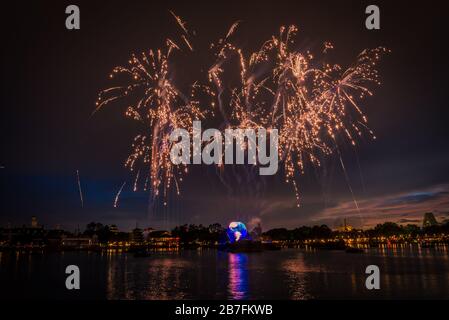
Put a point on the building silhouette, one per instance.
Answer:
(429, 220)
(34, 222)
(113, 229)
(136, 236)
(345, 227)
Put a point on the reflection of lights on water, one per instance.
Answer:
(296, 271)
(238, 276)
(158, 278)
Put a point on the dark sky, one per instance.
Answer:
(51, 77)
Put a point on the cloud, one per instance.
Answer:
(407, 207)
(414, 197)
(404, 221)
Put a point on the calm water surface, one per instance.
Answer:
(407, 272)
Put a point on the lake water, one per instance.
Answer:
(406, 273)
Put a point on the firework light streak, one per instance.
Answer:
(117, 196)
(136, 181)
(314, 105)
(79, 188)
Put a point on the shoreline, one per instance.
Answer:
(137, 249)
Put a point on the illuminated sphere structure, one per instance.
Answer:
(237, 231)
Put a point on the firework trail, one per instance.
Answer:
(181, 23)
(347, 180)
(313, 104)
(136, 181)
(117, 196)
(79, 188)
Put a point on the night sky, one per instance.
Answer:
(51, 77)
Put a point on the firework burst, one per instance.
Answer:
(311, 104)
(161, 108)
(314, 106)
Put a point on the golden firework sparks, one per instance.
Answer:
(314, 106)
(310, 105)
(161, 107)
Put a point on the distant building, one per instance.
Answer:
(163, 239)
(345, 227)
(34, 223)
(78, 242)
(77, 231)
(136, 236)
(113, 229)
(146, 233)
(429, 220)
(26, 235)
